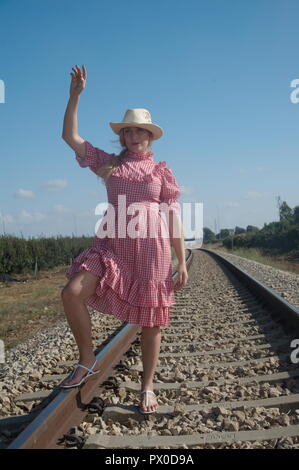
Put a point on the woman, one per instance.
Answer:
(127, 274)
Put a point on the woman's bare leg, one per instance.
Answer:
(81, 286)
(150, 346)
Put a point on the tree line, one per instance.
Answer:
(276, 237)
(18, 255)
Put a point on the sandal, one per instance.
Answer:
(146, 402)
(89, 374)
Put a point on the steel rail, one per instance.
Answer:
(281, 309)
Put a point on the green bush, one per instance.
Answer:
(274, 238)
(18, 255)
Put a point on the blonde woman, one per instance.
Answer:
(127, 276)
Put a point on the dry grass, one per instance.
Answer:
(279, 262)
(26, 308)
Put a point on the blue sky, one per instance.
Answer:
(216, 76)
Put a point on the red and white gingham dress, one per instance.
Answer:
(135, 274)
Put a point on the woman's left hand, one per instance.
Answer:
(182, 276)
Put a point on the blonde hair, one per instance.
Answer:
(116, 160)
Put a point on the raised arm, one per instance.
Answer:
(70, 123)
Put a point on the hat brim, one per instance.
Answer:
(157, 131)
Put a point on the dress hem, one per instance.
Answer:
(109, 303)
(110, 271)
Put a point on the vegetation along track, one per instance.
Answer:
(225, 376)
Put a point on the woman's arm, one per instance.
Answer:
(175, 227)
(70, 122)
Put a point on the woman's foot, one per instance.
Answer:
(80, 372)
(148, 401)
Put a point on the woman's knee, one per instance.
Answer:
(70, 291)
(81, 286)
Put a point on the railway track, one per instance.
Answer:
(57, 411)
(285, 283)
(225, 376)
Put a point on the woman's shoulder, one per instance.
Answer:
(94, 157)
(163, 170)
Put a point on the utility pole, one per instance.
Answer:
(278, 199)
(3, 223)
(232, 233)
(218, 223)
(75, 224)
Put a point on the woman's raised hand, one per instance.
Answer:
(78, 81)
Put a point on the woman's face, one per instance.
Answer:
(136, 139)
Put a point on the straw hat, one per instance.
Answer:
(138, 117)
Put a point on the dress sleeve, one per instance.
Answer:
(170, 191)
(94, 157)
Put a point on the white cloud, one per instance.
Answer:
(87, 213)
(25, 214)
(253, 195)
(186, 189)
(31, 217)
(55, 185)
(231, 204)
(260, 169)
(60, 209)
(24, 193)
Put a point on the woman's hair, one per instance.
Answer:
(116, 160)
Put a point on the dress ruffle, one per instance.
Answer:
(119, 294)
